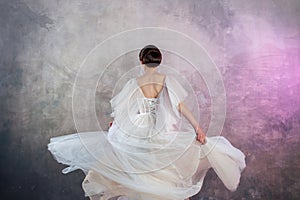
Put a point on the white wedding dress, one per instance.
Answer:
(149, 152)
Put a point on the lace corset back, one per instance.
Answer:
(148, 105)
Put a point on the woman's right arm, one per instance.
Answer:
(183, 109)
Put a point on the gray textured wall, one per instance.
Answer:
(255, 44)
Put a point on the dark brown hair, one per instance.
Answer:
(150, 56)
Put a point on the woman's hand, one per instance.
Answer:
(201, 137)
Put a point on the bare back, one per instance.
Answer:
(151, 85)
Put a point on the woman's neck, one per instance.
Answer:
(149, 70)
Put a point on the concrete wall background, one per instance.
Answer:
(255, 45)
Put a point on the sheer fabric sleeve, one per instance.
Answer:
(119, 99)
(176, 93)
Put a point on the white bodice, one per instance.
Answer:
(148, 105)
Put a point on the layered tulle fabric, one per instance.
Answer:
(149, 152)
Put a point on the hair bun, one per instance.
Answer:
(150, 56)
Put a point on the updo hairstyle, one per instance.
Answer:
(150, 56)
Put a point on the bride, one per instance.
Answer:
(149, 152)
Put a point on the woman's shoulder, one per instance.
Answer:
(156, 77)
(162, 77)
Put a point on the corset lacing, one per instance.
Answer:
(150, 106)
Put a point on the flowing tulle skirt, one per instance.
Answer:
(146, 175)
